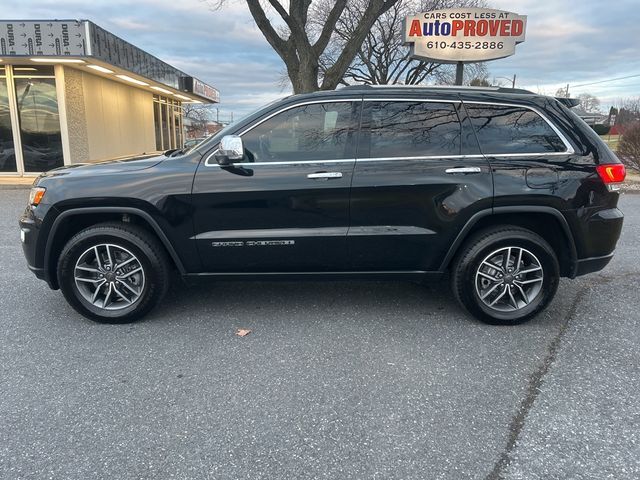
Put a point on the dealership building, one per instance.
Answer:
(71, 92)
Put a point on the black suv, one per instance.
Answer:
(503, 190)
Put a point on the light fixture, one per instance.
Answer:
(163, 90)
(57, 60)
(25, 69)
(132, 80)
(100, 69)
(183, 97)
(193, 101)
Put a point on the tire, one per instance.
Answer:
(126, 293)
(479, 276)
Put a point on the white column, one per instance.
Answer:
(15, 120)
(62, 113)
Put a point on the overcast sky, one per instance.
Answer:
(575, 42)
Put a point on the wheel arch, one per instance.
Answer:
(71, 221)
(535, 218)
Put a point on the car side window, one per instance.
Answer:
(317, 131)
(412, 129)
(505, 129)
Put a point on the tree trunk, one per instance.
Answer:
(301, 58)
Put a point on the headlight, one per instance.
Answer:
(36, 195)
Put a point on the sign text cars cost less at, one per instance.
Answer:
(464, 34)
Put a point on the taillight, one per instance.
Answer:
(612, 175)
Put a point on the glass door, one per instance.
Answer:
(39, 121)
(7, 148)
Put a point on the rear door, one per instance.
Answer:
(285, 208)
(419, 177)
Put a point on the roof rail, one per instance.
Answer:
(569, 102)
(441, 87)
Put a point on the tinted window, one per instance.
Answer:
(413, 129)
(503, 129)
(319, 131)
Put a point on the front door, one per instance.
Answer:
(285, 207)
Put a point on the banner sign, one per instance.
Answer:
(56, 38)
(464, 34)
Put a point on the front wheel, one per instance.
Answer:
(113, 273)
(505, 275)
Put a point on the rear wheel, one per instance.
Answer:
(505, 275)
(113, 273)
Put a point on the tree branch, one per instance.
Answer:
(329, 26)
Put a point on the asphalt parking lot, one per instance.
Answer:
(363, 380)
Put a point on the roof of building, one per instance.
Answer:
(88, 42)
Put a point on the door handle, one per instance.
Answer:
(463, 170)
(326, 175)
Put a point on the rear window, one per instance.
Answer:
(413, 129)
(504, 129)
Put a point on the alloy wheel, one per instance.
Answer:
(109, 277)
(509, 279)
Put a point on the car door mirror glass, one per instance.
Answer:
(231, 150)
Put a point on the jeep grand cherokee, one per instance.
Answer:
(501, 191)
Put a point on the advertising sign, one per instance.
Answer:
(194, 85)
(464, 34)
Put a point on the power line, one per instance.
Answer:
(622, 86)
(605, 81)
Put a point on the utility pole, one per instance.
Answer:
(459, 73)
(513, 84)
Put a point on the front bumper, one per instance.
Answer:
(33, 244)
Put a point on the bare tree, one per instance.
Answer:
(480, 82)
(589, 103)
(629, 147)
(199, 116)
(383, 58)
(301, 51)
(627, 111)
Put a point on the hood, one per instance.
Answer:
(106, 168)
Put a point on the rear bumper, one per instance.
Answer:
(593, 264)
(596, 235)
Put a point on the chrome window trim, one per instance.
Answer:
(294, 162)
(388, 159)
(569, 148)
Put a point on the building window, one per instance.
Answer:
(7, 149)
(156, 122)
(167, 116)
(177, 121)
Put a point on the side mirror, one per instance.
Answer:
(231, 150)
